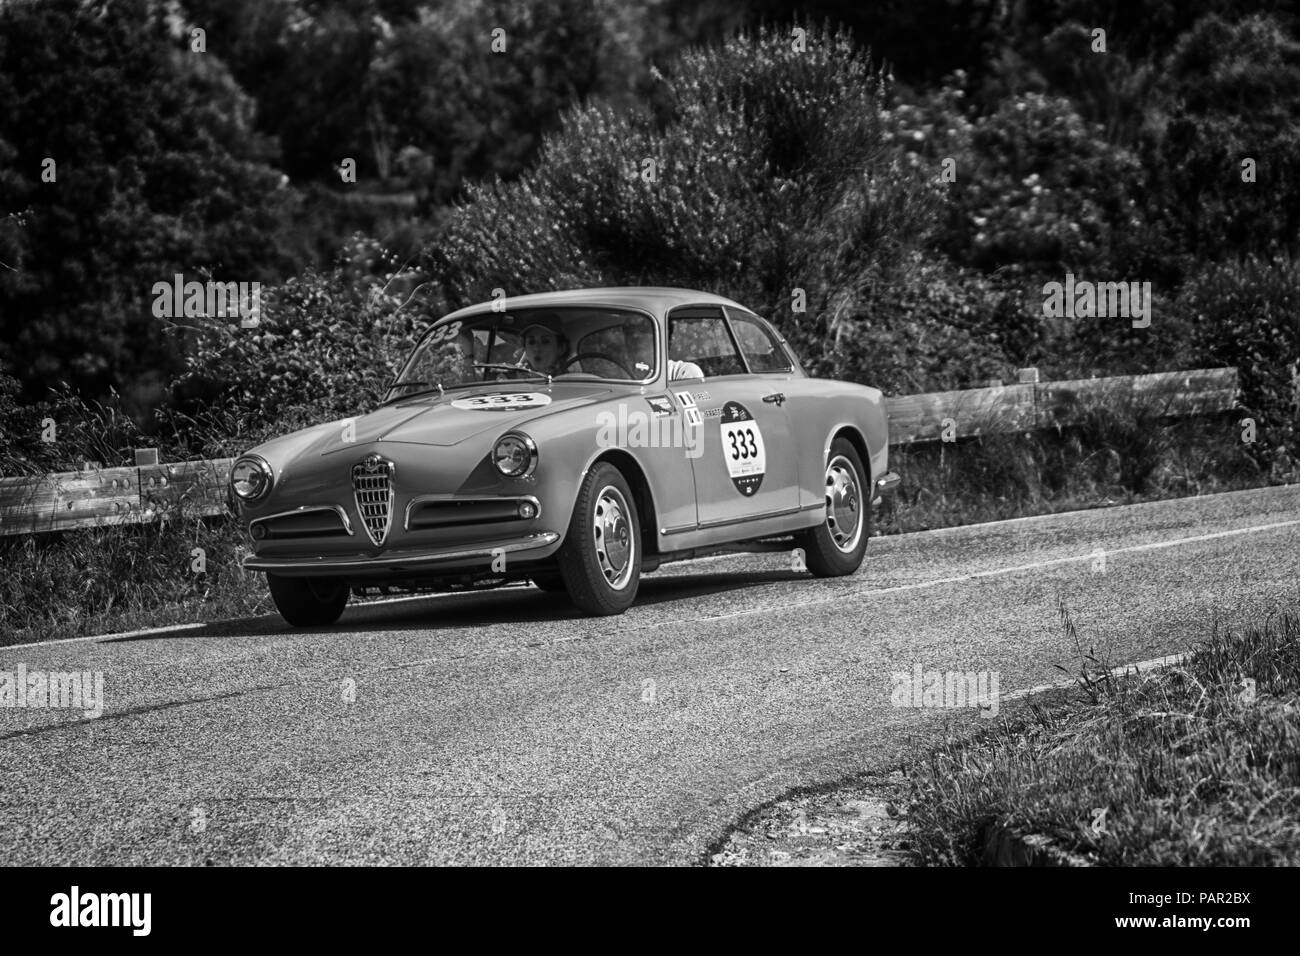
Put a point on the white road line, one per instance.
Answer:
(1092, 511)
(1034, 566)
(1141, 667)
(101, 637)
(1253, 529)
(189, 627)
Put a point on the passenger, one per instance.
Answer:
(639, 341)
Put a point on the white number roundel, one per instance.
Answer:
(504, 402)
(742, 448)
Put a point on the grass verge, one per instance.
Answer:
(104, 580)
(1118, 456)
(1196, 764)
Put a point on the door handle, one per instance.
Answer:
(776, 398)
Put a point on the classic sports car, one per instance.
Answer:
(574, 439)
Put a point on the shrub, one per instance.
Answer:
(769, 174)
(1247, 313)
(1041, 190)
(931, 328)
(1228, 93)
(324, 346)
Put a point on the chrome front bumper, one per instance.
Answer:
(399, 562)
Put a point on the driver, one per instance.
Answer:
(545, 346)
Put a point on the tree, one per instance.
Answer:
(128, 158)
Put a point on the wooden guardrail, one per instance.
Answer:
(1030, 404)
(111, 496)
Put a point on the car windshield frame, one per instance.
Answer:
(534, 376)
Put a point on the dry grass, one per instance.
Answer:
(1191, 765)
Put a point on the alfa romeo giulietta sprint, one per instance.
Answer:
(575, 440)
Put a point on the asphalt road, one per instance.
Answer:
(499, 727)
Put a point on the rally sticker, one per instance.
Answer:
(660, 404)
(742, 448)
(690, 411)
(504, 402)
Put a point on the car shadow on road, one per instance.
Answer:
(523, 604)
(530, 605)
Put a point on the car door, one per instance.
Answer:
(744, 467)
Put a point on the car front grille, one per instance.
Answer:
(372, 486)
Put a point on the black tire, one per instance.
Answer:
(602, 568)
(549, 581)
(836, 546)
(308, 602)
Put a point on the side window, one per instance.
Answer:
(703, 340)
(762, 351)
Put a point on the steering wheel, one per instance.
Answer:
(597, 355)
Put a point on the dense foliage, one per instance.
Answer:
(893, 193)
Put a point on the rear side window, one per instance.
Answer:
(761, 349)
(704, 340)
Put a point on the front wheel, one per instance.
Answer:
(600, 561)
(308, 602)
(836, 546)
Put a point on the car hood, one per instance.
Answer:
(441, 421)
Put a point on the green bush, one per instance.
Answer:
(930, 327)
(770, 174)
(1247, 314)
(325, 345)
(79, 431)
(1040, 190)
(1228, 93)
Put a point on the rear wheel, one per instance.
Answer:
(308, 602)
(836, 546)
(600, 561)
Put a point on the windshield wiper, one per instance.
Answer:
(512, 368)
(430, 386)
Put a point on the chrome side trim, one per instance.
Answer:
(397, 561)
(422, 499)
(307, 509)
(724, 522)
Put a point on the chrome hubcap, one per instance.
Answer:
(843, 504)
(614, 537)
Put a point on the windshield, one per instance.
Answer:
(569, 343)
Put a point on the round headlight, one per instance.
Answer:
(250, 478)
(515, 456)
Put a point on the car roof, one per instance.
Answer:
(655, 299)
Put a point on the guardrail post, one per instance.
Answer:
(1029, 376)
